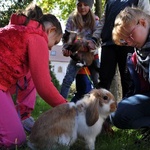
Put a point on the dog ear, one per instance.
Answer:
(65, 37)
(92, 113)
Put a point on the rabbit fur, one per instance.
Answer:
(81, 53)
(63, 124)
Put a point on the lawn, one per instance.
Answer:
(121, 140)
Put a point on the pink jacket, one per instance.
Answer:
(23, 48)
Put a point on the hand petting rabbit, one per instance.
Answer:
(64, 123)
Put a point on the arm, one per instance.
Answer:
(97, 30)
(65, 38)
(96, 36)
(38, 55)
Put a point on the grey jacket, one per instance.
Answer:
(87, 32)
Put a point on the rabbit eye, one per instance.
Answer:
(105, 98)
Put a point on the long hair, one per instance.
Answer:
(87, 21)
(32, 12)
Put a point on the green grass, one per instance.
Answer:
(121, 140)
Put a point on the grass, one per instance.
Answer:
(121, 140)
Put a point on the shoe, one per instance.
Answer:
(28, 124)
(145, 139)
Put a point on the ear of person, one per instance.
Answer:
(51, 30)
(142, 22)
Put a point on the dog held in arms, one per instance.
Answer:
(81, 53)
(63, 124)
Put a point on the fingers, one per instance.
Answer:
(66, 52)
(91, 45)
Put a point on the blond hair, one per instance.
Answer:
(89, 20)
(125, 19)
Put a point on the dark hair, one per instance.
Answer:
(53, 20)
(32, 12)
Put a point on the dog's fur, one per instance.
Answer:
(81, 53)
(63, 124)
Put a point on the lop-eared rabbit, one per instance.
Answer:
(63, 124)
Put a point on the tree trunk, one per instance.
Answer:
(98, 7)
(116, 87)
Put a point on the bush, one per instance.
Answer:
(54, 79)
(8, 8)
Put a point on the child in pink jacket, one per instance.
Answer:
(24, 47)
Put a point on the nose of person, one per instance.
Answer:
(82, 6)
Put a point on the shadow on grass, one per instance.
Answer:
(121, 140)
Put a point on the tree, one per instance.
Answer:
(62, 9)
(59, 8)
(53, 76)
(6, 9)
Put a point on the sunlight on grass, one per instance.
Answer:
(40, 107)
(121, 140)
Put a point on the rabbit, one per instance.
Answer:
(81, 53)
(63, 124)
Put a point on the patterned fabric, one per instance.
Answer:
(143, 60)
(140, 84)
(14, 49)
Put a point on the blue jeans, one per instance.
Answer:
(71, 73)
(132, 112)
(83, 86)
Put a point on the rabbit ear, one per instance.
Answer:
(92, 113)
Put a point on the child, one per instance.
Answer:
(127, 28)
(132, 28)
(83, 76)
(84, 21)
(24, 90)
(24, 47)
(24, 94)
(112, 54)
(127, 31)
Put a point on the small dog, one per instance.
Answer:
(63, 124)
(79, 48)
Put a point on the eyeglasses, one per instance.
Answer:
(130, 38)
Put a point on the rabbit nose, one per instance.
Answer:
(113, 107)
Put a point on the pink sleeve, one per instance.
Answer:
(38, 54)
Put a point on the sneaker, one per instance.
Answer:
(28, 124)
(145, 139)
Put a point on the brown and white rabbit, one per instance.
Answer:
(64, 123)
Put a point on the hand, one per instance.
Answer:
(66, 52)
(91, 45)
